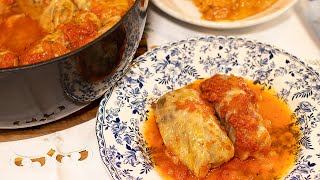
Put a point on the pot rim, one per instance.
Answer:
(64, 56)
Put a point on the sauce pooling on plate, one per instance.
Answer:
(217, 10)
(272, 165)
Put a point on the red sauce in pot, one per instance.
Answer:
(79, 35)
(19, 31)
(26, 25)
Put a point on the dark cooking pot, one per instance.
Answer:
(47, 91)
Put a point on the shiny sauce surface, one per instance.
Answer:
(218, 10)
(275, 164)
(18, 31)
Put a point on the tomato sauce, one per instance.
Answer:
(246, 120)
(79, 35)
(19, 31)
(31, 31)
(217, 10)
(274, 164)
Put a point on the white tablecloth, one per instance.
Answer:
(32, 158)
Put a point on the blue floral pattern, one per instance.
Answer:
(122, 112)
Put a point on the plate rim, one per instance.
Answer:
(242, 23)
(108, 94)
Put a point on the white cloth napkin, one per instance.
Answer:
(67, 143)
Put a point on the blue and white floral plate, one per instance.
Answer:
(122, 112)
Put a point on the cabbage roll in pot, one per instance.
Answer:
(236, 106)
(49, 13)
(191, 132)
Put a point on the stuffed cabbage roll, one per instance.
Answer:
(49, 13)
(237, 109)
(191, 131)
(52, 45)
(74, 34)
(108, 11)
(57, 12)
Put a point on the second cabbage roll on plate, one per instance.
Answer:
(191, 132)
(236, 106)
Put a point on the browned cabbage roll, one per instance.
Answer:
(236, 106)
(191, 131)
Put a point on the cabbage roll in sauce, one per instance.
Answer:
(108, 11)
(33, 31)
(69, 36)
(236, 107)
(49, 13)
(191, 131)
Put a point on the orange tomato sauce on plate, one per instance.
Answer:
(217, 10)
(274, 165)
